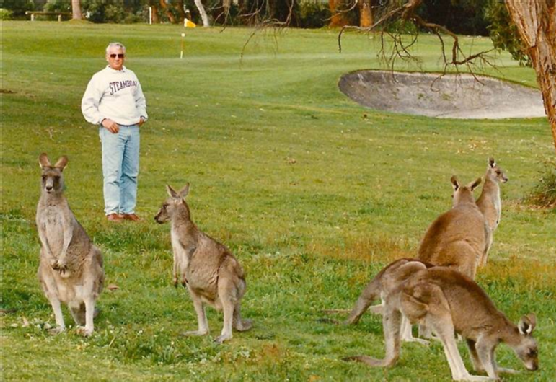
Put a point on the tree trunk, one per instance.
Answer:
(365, 13)
(181, 9)
(337, 19)
(153, 5)
(76, 10)
(168, 11)
(201, 9)
(536, 23)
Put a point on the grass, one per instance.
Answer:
(313, 193)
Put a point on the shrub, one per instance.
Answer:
(313, 15)
(17, 8)
(544, 194)
(5, 14)
(115, 11)
(504, 34)
(57, 6)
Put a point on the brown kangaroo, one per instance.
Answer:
(449, 302)
(456, 239)
(490, 202)
(70, 268)
(209, 270)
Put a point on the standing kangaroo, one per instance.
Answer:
(449, 302)
(210, 271)
(70, 268)
(490, 202)
(456, 239)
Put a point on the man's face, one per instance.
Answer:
(115, 58)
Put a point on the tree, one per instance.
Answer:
(536, 23)
(203, 13)
(365, 13)
(76, 10)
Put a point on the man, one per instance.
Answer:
(114, 100)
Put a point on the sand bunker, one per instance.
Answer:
(449, 96)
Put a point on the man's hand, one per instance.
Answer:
(141, 121)
(110, 125)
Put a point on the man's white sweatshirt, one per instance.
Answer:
(114, 94)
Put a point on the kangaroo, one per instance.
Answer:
(209, 270)
(381, 284)
(449, 301)
(70, 268)
(456, 239)
(490, 202)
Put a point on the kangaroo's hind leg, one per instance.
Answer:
(89, 327)
(240, 324)
(229, 298)
(368, 295)
(202, 323)
(391, 321)
(51, 292)
(57, 308)
(440, 319)
(77, 310)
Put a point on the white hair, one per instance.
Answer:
(115, 45)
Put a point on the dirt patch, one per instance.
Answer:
(449, 96)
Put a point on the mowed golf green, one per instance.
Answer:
(312, 193)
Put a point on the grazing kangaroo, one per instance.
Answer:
(70, 268)
(449, 301)
(490, 202)
(210, 271)
(381, 285)
(456, 239)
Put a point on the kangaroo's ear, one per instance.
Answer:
(171, 191)
(43, 160)
(62, 162)
(527, 324)
(184, 191)
(476, 183)
(491, 162)
(455, 184)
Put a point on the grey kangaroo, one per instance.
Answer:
(456, 239)
(70, 268)
(449, 302)
(490, 202)
(208, 269)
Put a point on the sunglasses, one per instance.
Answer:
(119, 55)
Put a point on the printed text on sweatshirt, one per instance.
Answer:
(114, 94)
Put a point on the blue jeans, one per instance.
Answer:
(120, 167)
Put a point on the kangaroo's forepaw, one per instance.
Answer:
(65, 273)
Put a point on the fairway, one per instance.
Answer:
(313, 194)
